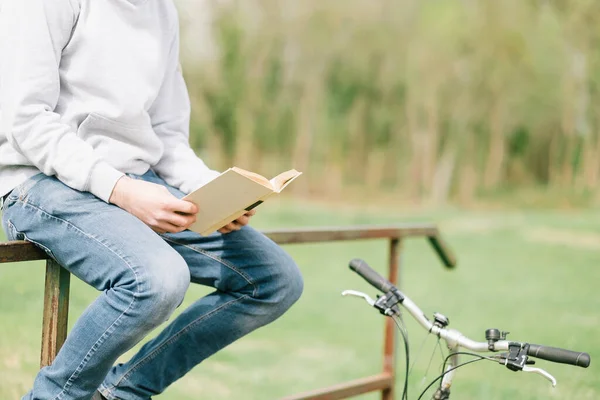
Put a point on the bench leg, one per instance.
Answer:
(390, 339)
(56, 311)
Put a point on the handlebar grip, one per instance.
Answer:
(559, 355)
(370, 275)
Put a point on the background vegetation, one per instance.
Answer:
(428, 100)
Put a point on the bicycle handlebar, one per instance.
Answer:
(553, 354)
(559, 355)
(370, 275)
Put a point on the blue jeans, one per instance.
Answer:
(142, 278)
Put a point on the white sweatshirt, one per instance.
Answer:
(92, 89)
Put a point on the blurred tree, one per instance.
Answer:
(432, 100)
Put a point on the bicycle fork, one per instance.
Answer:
(443, 391)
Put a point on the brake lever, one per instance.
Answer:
(541, 372)
(359, 294)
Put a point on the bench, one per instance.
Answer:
(56, 295)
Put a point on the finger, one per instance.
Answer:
(182, 206)
(224, 231)
(243, 220)
(232, 226)
(250, 213)
(180, 220)
(166, 227)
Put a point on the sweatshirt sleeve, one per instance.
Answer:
(33, 34)
(170, 114)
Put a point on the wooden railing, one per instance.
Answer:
(56, 295)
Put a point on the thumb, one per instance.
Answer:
(184, 206)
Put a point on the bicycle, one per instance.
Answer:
(516, 358)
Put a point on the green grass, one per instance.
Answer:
(534, 274)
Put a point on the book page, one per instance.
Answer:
(283, 179)
(254, 176)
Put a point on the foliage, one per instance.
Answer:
(428, 99)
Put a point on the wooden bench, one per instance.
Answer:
(56, 295)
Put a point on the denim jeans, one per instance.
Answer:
(142, 278)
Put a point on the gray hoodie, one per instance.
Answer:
(90, 90)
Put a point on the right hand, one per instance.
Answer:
(154, 205)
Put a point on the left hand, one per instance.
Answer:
(238, 223)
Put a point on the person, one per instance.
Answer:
(94, 161)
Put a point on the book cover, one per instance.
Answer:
(231, 194)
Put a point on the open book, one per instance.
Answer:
(232, 194)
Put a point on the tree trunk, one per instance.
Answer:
(468, 175)
(247, 155)
(414, 172)
(305, 133)
(497, 149)
(356, 142)
(374, 168)
(554, 160)
(590, 164)
(431, 143)
(394, 156)
(444, 174)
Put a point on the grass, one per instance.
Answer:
(532, 273)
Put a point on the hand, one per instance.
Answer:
(154, 205)
(238, 223)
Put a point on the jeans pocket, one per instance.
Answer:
(3, 200)
(21, 191)
(11, 232)
(14, 234)
(4, 219)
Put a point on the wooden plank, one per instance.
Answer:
(23, 251)
(20, 251)
(443, 251)
(307, 235)
(347, 389)
(56, 311)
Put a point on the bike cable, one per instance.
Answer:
(401, 327)
(479, 358)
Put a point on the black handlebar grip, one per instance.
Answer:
(370, 275)
(559, 355)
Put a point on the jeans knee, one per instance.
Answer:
(294, 282)
(286, 283)
(164, 288)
